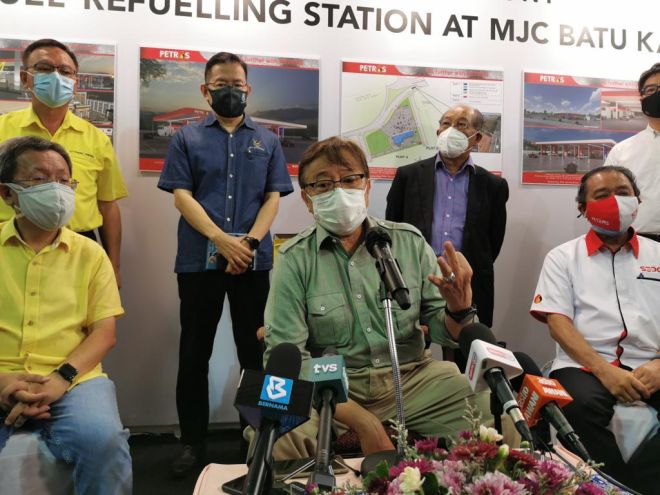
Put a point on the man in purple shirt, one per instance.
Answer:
(449, 198)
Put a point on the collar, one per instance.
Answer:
(653, 132)
(440, 164)
(323, 237)
(70, 121)
(8, 231)
(212, 119)
(595, 243)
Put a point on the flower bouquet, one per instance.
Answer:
(474, 465)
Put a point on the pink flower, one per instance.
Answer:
(495, 484)
(473, 451)
(450, 474)
(424, 466)
(590, 489)
(553, 475)
(466, 435)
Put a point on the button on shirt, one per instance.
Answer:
(449, 205)
(322, 297)
(49, 299)
(228, 174)
(641, 154)
(613, 299)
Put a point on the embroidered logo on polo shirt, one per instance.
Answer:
(257, 145)
(538, 299)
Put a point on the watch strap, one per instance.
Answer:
(463, 314)
(252, 242)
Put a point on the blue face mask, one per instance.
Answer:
(53, 90)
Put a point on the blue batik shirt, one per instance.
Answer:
(229, 175)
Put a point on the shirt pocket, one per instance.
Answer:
(327, 319)
(406, 321)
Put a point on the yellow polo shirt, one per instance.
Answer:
(48, 299)
(94, 161)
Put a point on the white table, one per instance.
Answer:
(214, 475)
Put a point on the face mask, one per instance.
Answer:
(340, 211)
(452, 142)
(228, 102)
(48, 206)
(53, 90)
(651, 105)
(612, 215)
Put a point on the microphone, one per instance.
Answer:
(331, 387)
(273, 402)
(541, 397)
(490, 366)
(378, 243)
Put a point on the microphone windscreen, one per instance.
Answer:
(529, 368)
(472, 332)
(376, 235)
(284, 361)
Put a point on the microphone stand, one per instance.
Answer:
(392, 457)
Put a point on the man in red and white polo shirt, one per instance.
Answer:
(600, 296)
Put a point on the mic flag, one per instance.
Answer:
(276, 394)
(483, 357)
(536, 392)
(329, 371)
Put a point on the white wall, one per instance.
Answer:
(144, 362)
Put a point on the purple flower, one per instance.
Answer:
(590, 489)
(495, 484)
(466, 435)
(426, 445)
(553, 475)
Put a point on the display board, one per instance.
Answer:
(94, 100)
(284, 99)
(571, 123)
(393, 111)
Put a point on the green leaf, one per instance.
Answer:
(430, 485)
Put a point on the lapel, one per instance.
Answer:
(427, 192)
(474, 194)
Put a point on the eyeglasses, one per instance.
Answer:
(461, 125)
(72, 183)
(353, 181)
(221, 84)
(46, 68)
(650, 89)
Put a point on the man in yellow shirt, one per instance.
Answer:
(49, 75)
(58, 304)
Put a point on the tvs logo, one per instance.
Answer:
(538, 299)
(276, 389)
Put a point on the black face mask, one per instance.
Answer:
(228, 102)
(651, 105)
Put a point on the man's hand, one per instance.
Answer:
(369, 429)
(457, 293)
(649, 375)
(15, 387)
(233, 269)
(52, 390)
(622, 384)
(235, 251)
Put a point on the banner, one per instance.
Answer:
(284, 99)
(393, 111)
(94, 99)
(571, 123)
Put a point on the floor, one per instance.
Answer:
(153, 454)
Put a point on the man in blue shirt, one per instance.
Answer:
(227, 176)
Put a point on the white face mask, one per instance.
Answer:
(452, 142)
(340, 211)
(49, 206)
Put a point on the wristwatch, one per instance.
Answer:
(463, 315)
(251, 241)
(68, 372)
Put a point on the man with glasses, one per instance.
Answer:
(59, 301)
(325, 293)
(641, 154)
(49, 75)
(227, 175)
(449, 197)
